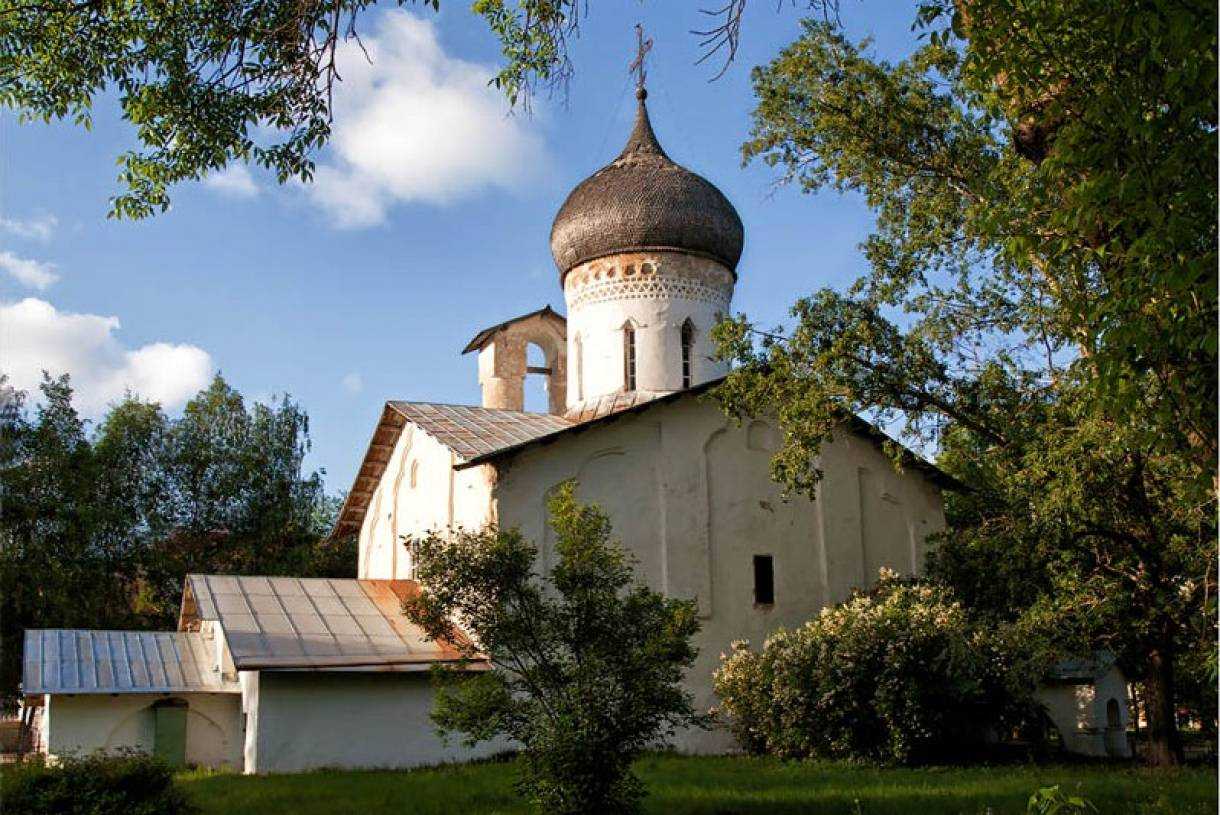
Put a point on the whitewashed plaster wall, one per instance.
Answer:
(222, 657)
(1079, 711)
(656, 292)
(84, 723)
(311, 719)
(689, 494)
(418, 492)
(504, 363)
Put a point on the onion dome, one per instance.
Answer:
(642, 201)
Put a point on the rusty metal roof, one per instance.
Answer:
(59, 660)
(292, 622)
(592, 409)
(467, 430)
(376, 459)
(643, 200)
(476, 431)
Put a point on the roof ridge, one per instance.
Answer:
(139, 631)
(393, 402)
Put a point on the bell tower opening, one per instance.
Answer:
(537, 379)
(530, 347)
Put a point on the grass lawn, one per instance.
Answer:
(721, 786)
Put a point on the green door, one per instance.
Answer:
(169, 731)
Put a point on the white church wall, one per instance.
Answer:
(656, 292)
(84, 723)
(312, 719)
(418, 492)
(689, 493)
(871, 515)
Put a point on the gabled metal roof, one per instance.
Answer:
(480, 435)
(592, 409)
(476, 431)
(59, 660)
(467, 430)
(292, 622)
(617, 406)
(483, 337)
(372, 466)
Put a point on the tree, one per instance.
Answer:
(59, 562)
(109, 523)
(1041, 304)
(237, 497)
(586, 664)
(213, 82)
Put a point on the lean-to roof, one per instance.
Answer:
(293, 622)
(59, 660)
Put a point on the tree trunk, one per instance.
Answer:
(1163, 739)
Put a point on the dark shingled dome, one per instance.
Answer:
(644, 200)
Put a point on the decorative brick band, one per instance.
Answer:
(651, 276)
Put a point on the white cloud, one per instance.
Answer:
(417, 125)
(234, 180)
(353, 383)
(33, 273)
(34, 336)
(40, 226)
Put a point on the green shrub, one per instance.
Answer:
(899, 674)
(1053, 801)
(586, 661)
(100, 784)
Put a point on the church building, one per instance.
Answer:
(270, 674)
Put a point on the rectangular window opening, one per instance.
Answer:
(764, 581)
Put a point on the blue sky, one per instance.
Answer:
(431, 222)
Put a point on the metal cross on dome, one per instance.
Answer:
(643, 46)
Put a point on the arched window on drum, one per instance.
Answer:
(688, 346)
(628, 356)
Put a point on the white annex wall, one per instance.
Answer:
(418, 492)
(689, 493)
(1092, 717)
(82, 724)
(311, 719)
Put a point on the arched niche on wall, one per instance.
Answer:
(622, 481)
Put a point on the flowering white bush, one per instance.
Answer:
(898, 674)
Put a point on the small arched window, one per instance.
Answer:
(688, 344)
(629, 357)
